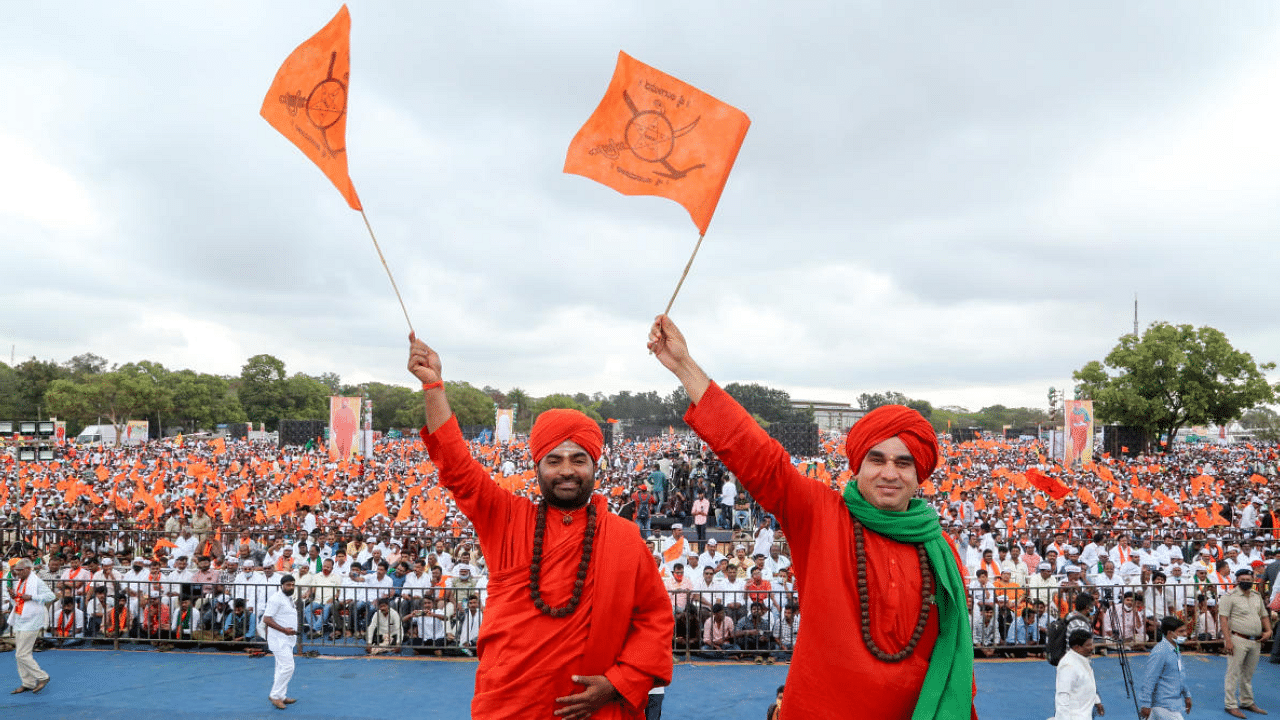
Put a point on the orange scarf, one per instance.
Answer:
(66, 624)
(19, 601)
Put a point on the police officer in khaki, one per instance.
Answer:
(1245, 626)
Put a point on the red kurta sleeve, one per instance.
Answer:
(645, 659)
(758, 460)
(478, 497)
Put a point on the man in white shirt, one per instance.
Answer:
(776, 561)
(674, 549)
(431, 624)
(386, 631)
(322, 587)
(281, 620)
(710, 557)
(764, 538)
(732, 593)
(355, 598)
(728, 495)
(135, 583)
(1076, 693)
(417, 586)
(29, 596)
(342, 563)
(467, 626)
(187, 543)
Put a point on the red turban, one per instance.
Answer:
(898, 421)
(555, 426)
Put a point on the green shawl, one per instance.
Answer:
(948, 684)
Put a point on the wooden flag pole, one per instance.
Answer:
(388, 269)
(683, 275)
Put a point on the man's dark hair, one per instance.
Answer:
(1083, 602)
(1169, 624)
(1079, 638)
(239, 603)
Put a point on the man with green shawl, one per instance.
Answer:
(886, 632)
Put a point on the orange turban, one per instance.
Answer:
(898, 421)
(555, 426)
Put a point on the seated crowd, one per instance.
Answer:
(142, 543)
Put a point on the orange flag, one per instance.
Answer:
(373, 505)
(655, 135)
(307, 101)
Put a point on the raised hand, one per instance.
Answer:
(424, 363)
(667, 343)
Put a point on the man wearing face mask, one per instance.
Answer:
(1245, 626)
(281, 619)
(1164, 692)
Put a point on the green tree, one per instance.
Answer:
(85, 364)
(767, 404)
(9, 396)
(549, 402)
(120, 395)
(261, 390)
(473, 407)
(523, 404)
(1263, 423)
(201, 401)
(394, 406)
(33, 379)
(305, 398)
(1174, 376)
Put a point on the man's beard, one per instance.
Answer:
(579, 500)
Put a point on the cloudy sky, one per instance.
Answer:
(956, 201)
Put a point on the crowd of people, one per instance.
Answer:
(180, 543)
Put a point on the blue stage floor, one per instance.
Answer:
(101, 684)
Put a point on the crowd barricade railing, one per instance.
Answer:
(1000, 628)
(698, 634)
(167, 614)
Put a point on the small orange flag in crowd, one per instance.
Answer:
(655, 135)
(307, 101)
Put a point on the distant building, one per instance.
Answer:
(831, 416)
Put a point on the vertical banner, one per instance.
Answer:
(60, 430)
(504, 420)
(344, 425)
(1079, 445)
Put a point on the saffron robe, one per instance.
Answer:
(832, 674)
(621, 629)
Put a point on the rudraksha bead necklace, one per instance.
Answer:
(535, 568)
(926, 598)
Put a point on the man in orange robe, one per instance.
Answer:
(576, 642)
(835, 672)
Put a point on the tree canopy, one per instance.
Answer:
(1174, 376)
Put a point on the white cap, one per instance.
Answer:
(711, 541)
(677, 526)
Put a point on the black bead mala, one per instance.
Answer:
(926, 598)
(535, 568)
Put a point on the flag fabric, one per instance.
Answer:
(307, 101)
(1052, 486)
(371, 506)
(655, 135)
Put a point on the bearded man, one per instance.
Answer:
(872, 558)
(578, 622)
